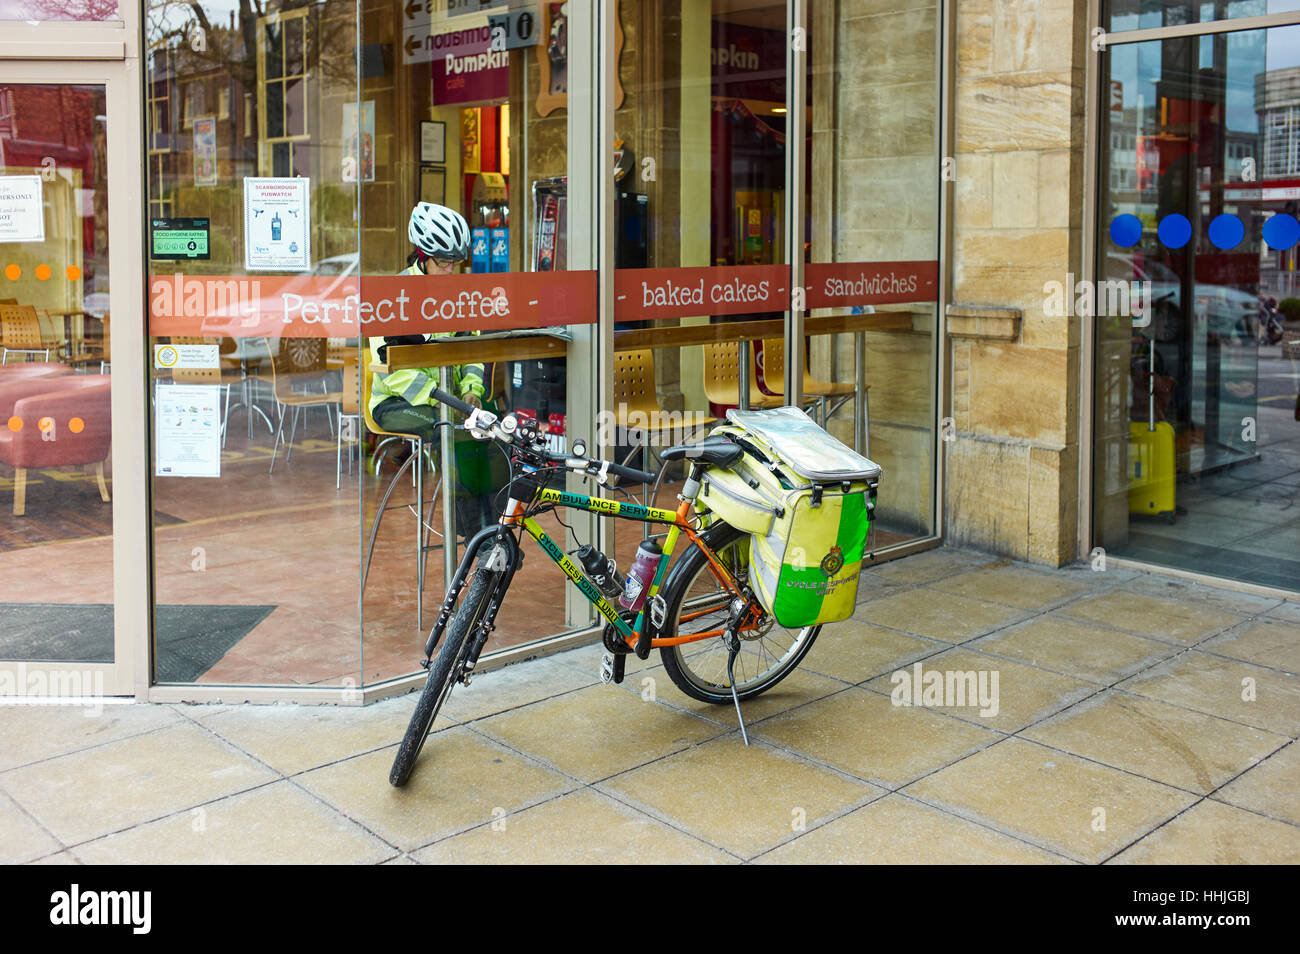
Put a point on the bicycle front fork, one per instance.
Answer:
(505, 558)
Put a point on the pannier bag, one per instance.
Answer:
(807, 501)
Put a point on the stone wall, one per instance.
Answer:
(1012, 466)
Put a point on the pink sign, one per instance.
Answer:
(465, 69)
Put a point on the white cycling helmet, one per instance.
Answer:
(438, 231)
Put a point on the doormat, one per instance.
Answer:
(189, 639)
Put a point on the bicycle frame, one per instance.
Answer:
(678, 521)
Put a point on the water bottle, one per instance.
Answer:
(601, 570)
(640, 575)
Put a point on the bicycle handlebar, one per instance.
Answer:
(454, 403)
(587, 465)
(631, 473)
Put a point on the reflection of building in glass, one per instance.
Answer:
(1277, 103)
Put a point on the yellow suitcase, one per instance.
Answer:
(1151, 469)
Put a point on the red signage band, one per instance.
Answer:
(846, 284)
(318, 306)
(314, 306)
(644, 293)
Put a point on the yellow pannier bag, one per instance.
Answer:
(808, 502)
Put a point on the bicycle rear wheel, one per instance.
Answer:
(697, 603)
(444, 673)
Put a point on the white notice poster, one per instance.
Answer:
(277, 225)
(22, 211)
(187, 418)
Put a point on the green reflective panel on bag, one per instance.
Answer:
(805, 570)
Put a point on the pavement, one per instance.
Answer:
(1115, 717)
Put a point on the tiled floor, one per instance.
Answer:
(1138, 719)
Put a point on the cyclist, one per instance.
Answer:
(402, 401)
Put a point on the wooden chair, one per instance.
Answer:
(637, 411)
(20, 333)
(299, 362)
(92, 350)
(349, 408)
(722, 377)
(387, 437)
(337, 354)
(822, 391)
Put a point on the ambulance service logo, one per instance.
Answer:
(832, 562)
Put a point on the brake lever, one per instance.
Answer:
(480, 424)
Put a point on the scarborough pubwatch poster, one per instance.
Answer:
(277, 225)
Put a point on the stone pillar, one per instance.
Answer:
(1012, 466)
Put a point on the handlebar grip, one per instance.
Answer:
(453, 403)
(631, 473)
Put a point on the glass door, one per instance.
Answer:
(64, 454)
(1197, 459)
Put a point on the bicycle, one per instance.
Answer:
(692, 613)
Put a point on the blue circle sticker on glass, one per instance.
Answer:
(1174, 230)
(1226, 231)
(1126, 230)
(1281, 232)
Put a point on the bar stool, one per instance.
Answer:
(418, 453)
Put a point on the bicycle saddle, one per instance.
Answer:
(711, 450)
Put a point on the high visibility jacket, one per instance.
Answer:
(416, 385)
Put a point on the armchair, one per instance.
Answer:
(54, 422)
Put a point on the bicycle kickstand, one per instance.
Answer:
(732, 642)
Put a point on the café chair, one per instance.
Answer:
(638, 415)
(722, 377)
(300, 362)
(820, 392)
(20, 333)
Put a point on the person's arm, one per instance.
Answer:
(471, 384)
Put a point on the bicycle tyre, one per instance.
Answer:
(442, 674)
(705, 679)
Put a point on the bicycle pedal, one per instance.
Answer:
(607, 668)
(658, 612)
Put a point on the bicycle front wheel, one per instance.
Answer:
(698, 603)
(444, 673)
